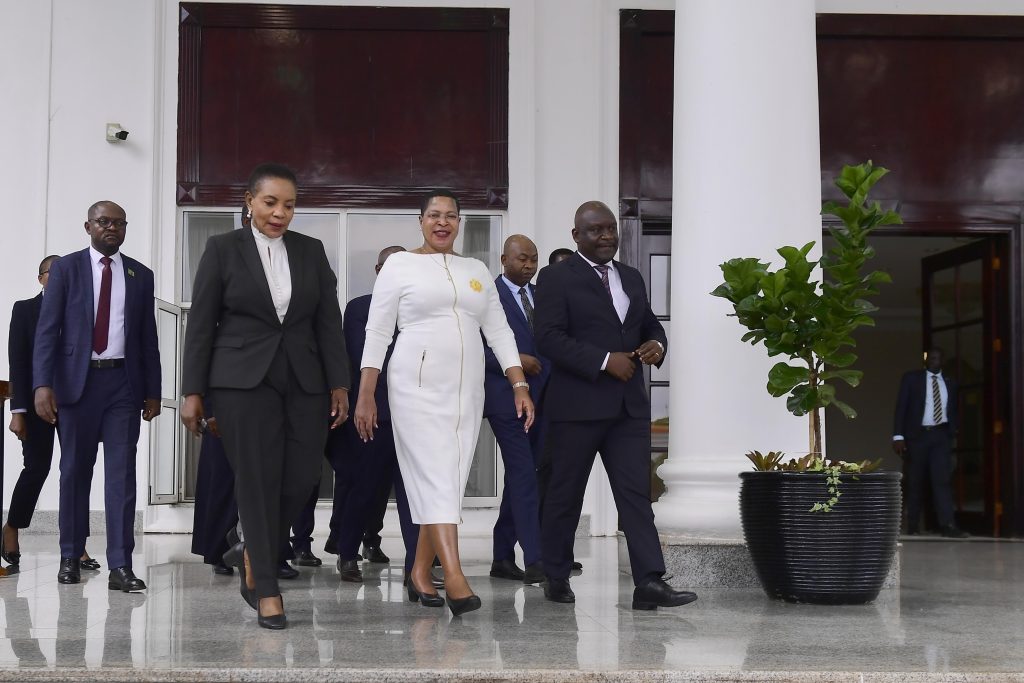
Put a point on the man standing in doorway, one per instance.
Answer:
(97, 367)
(925, 426)
(594, 323)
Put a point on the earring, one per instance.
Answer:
(248, 214)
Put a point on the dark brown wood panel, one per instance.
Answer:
(370, 105)
(937, 100)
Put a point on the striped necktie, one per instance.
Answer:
(936, 400)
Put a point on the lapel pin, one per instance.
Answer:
(131, 272)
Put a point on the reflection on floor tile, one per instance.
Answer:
(960, 609)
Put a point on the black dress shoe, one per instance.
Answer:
(286, 571)
(425, 599)
(275, 622)
(558, 590)
(656, 593)
(577, 566)
(373, 553)
(123, 579)
(534, 573)
(306, 558)
(90, 563)
(350, 571)
(221, 569)
(70, 571)
(953, 531)
(506, 569)
(463, 605)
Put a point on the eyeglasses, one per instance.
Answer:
(44, 272)
(105, 222)
(436, 216)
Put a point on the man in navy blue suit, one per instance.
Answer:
(924, 428)
(96, 367)
(365, 471)
(595, 324)
(519, 515)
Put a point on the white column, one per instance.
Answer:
(746, 181)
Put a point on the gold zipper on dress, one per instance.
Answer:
(462, 353)
(422, 361)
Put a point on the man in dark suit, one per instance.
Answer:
(36, 436)
(519, 515)
(924, 428)
(366, 470)
(97, 366)
(594, 323)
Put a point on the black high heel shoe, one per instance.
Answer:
(460, 606)
(274, 622)
(12, 557)
(424, 599)
(235, 557)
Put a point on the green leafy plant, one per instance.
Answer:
(811, 322)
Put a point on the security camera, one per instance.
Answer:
(115, 133)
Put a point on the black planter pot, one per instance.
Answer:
(837, 557)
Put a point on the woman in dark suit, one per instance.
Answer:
(265, 342)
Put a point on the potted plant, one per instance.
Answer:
(818, 531)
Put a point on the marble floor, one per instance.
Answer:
(958, 615)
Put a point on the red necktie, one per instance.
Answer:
(102, 328)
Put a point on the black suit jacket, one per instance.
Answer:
(576, 326)
(910, 404)
(233, 330)
(24, 318)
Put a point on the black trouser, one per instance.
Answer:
(625, 447)
(931, 459)
(37, 450)
(274, 437)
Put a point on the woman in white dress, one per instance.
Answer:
(440, 302)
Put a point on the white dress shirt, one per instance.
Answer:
(929, 403)
(115, 333)
(514, 288)
(274, 257)
(619, 298)
(928, 419)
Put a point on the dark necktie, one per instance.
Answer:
(527, 307)
(936, 400)
(603, 270)
(102, 327)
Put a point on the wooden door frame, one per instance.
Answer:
(1013, 234)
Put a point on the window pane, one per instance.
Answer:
(943, 297)
(969, 289)
(325, 227)
(200, 226)
(661, 284)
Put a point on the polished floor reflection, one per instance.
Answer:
(960, 610)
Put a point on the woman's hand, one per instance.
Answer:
(366, 417)
(524, 406)
(339, 407)
(192, 414)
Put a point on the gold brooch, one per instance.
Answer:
(475, 285)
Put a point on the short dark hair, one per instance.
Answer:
(425, 201)
(270, 170)
(43, 265)
(559, 254)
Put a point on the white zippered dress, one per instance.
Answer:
(439, 303)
